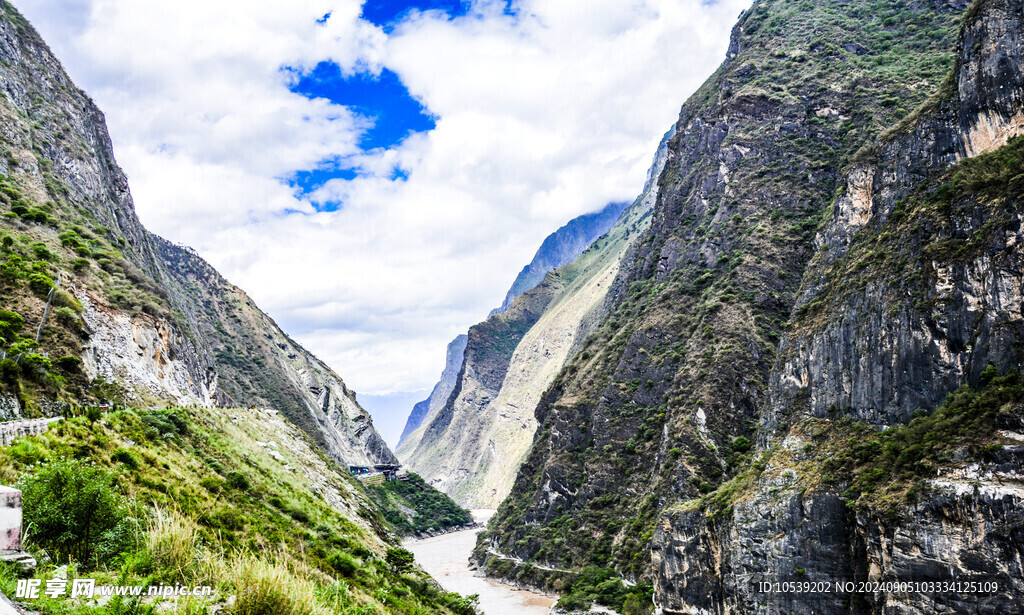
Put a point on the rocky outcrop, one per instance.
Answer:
(145, 354)
(156, 319)
(472, 447)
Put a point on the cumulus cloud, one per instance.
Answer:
(540, 116)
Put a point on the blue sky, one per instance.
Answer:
(376, 179)
(387, 13)
(381, 99)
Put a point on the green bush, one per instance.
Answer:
(239, 481)
(42, 252)
(67, 317)
(68, 364)
(343, 563)
(741, 444)
(73, 510)
(11, 324)
(124, 456)
(13, 268)
(40, 283)
(211, 484)
(400, 559)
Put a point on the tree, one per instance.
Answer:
(73, 510)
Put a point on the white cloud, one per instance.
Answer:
(540, 118)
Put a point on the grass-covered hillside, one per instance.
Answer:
(414, 508)
(239, 500)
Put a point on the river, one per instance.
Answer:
(446, 558)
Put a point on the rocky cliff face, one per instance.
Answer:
(559, 248)
(134, 317)
(914, 292)
(664, 399)
(473, 446)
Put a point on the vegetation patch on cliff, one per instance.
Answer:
(888, 469)
(414, 508)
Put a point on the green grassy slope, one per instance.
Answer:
(244, 503)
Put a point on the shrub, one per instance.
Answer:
(93, 413)
(741, 444)
(343, 563)
(40, 283)
(400, 559)
(13, 268)
(75, 512)
(67, 317)
(42, 252)
(27, 451)
(211, 484)
(239, 481)
(11, 324)
(124, 456)
(68, 364)
(67, 300)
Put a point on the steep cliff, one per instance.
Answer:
(559, 248)
(664, 401)
(915, 292)
(130, 317)
(473, 446)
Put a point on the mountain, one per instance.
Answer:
(559, 248)
(472, 445)
(429, 407)
(811, 373)
(132, 318)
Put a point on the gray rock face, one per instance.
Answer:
(877, 353)
(741, 562)
(787, 549)
(218, 348)
(902, 340)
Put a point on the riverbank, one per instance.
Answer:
(446, 558)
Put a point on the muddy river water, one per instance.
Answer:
(446, 558)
